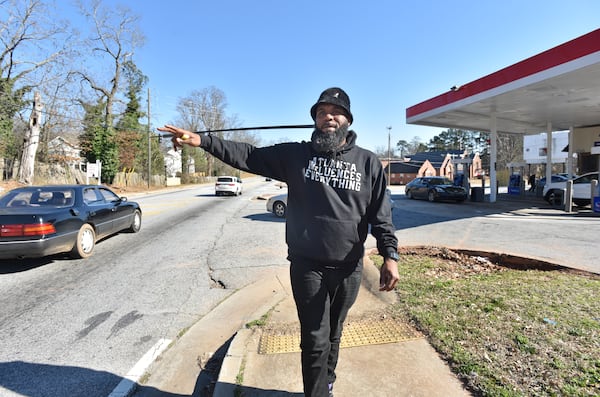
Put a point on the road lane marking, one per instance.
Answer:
(127, 385)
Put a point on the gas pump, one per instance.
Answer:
(596, 196)
(516, 182)
(596, 189)
(462, 176)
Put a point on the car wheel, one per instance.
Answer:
(431, 196)
(279, 209)
(553, 196)
(136, 224)
(86, 241)
(409, 194)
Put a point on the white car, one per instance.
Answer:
(278, 204)
(230, 185)
(582, 190)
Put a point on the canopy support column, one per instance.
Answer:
(493, 157)
(549, 152)
(570, 165)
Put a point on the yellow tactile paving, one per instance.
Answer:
(356, 333)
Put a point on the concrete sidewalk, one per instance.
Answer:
(410, 367)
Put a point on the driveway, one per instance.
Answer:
(524, 226)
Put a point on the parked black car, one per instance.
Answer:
(435, 188)
(37, 221)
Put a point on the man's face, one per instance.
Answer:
(330, 117)
(331, 125)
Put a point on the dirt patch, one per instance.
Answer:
(457, 264)
(462, 263)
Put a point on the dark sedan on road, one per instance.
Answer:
(37, 221)
(435, 188)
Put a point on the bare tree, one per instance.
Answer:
(204, 110)
(114, 37)
(382, 152)
(510, 149)
(32, 39)
(62, 110)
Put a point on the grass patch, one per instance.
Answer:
(506, 332)
(239, 380)
(261, 322)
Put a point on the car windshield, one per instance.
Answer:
(38, 197)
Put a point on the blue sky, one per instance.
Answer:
(273, 58)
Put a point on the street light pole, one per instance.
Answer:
(149, 143)
(389, 155)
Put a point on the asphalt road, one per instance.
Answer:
(77, 327)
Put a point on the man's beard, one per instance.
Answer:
(326, 142)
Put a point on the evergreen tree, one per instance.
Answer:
(130, 132)
(89, 140)
(98, 140)
(457, 139)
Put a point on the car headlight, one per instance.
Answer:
(439, 189)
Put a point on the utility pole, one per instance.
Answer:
(149, 143)
(389, 155)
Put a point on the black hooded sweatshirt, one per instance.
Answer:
(332, 198)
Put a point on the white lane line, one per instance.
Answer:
(127, 385)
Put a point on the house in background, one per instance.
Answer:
(440, 163)
(64, 152)
(173, 163)
(401, 172)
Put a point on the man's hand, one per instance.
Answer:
(181, 136)
(388, 276)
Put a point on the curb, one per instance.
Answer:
(236, 352)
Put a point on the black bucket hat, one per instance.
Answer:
(335, 96)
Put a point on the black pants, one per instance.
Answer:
(323, 296)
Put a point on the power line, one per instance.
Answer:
(267, 127)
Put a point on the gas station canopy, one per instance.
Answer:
(559, 87)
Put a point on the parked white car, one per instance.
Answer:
(230, 185)
(582, 190)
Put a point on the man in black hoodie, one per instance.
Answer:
(336, 189)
